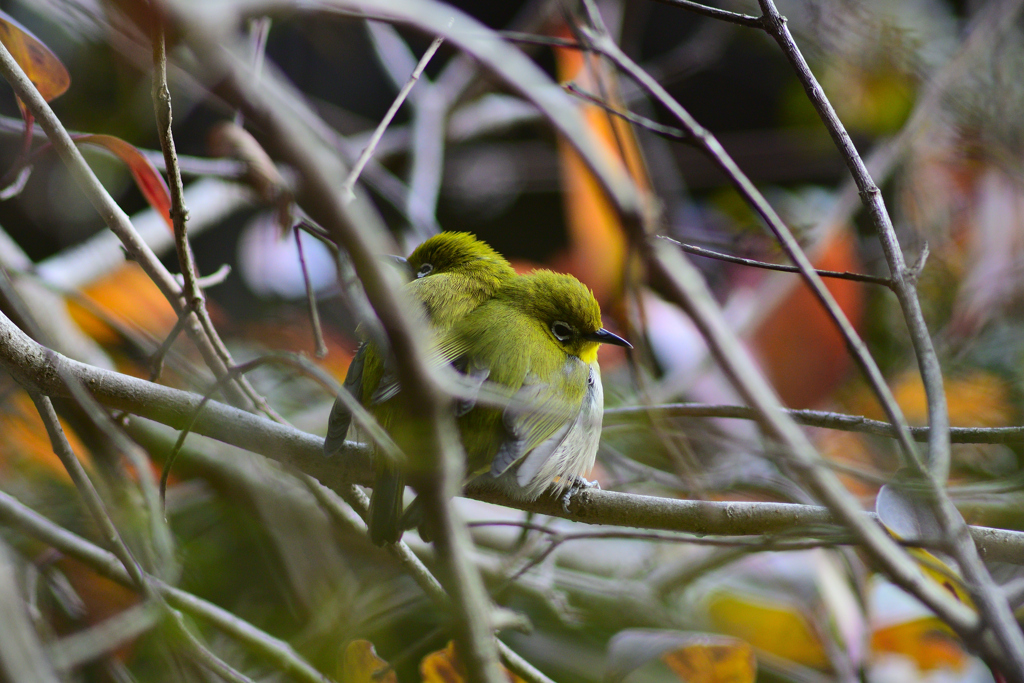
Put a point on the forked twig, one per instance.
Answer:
(991, 603)
(707, 143)
(364, 157)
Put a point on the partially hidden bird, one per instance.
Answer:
(453, 273)
(534, 343)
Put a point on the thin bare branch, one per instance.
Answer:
(714, 150)
(194, 299)
(93, 503)
(669, 132)
(311, 307)
(112, 214)
(714, 13)
(812, 418)
(430, 113)
(718, 256)
(156, 361)
(364, 157)
(546, 41)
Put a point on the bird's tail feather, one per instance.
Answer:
(386, 506)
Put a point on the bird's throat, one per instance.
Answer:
(588, 354)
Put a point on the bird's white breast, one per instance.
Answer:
(575, 454)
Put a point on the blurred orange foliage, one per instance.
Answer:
(718, 660)
(444, 666)
(927, 641)
(799, 346)
(597, 243)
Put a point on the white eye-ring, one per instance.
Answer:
(562, 331)
(425, 270)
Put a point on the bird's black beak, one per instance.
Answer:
(603, 336)
(400, 260)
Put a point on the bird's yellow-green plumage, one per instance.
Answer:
(536, 341)
(452, 273)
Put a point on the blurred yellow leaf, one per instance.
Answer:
(713, 659)
(927, 641)
(774, 627)
(362, 665)
(976, 399)
(41, 66)
(941, 573)
(444, 666)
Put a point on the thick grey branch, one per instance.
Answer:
(112, 214)
(32, 364)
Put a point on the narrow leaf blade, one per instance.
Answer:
(148, 179)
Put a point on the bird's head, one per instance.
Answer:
(458, 252)
(566, 309)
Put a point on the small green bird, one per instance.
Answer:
(453, 274)
(535, 341)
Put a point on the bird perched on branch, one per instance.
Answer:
(531, 339)
(453, 273)
(535, 343)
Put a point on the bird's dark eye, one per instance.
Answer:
(562, 331)
(425, 270)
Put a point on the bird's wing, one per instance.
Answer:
(428, 295)
(474, 375)
(388, 386)
(538, 420)
(341, 415)
(448, 349)
(495, 347)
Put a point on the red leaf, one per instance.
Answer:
(149, 180)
